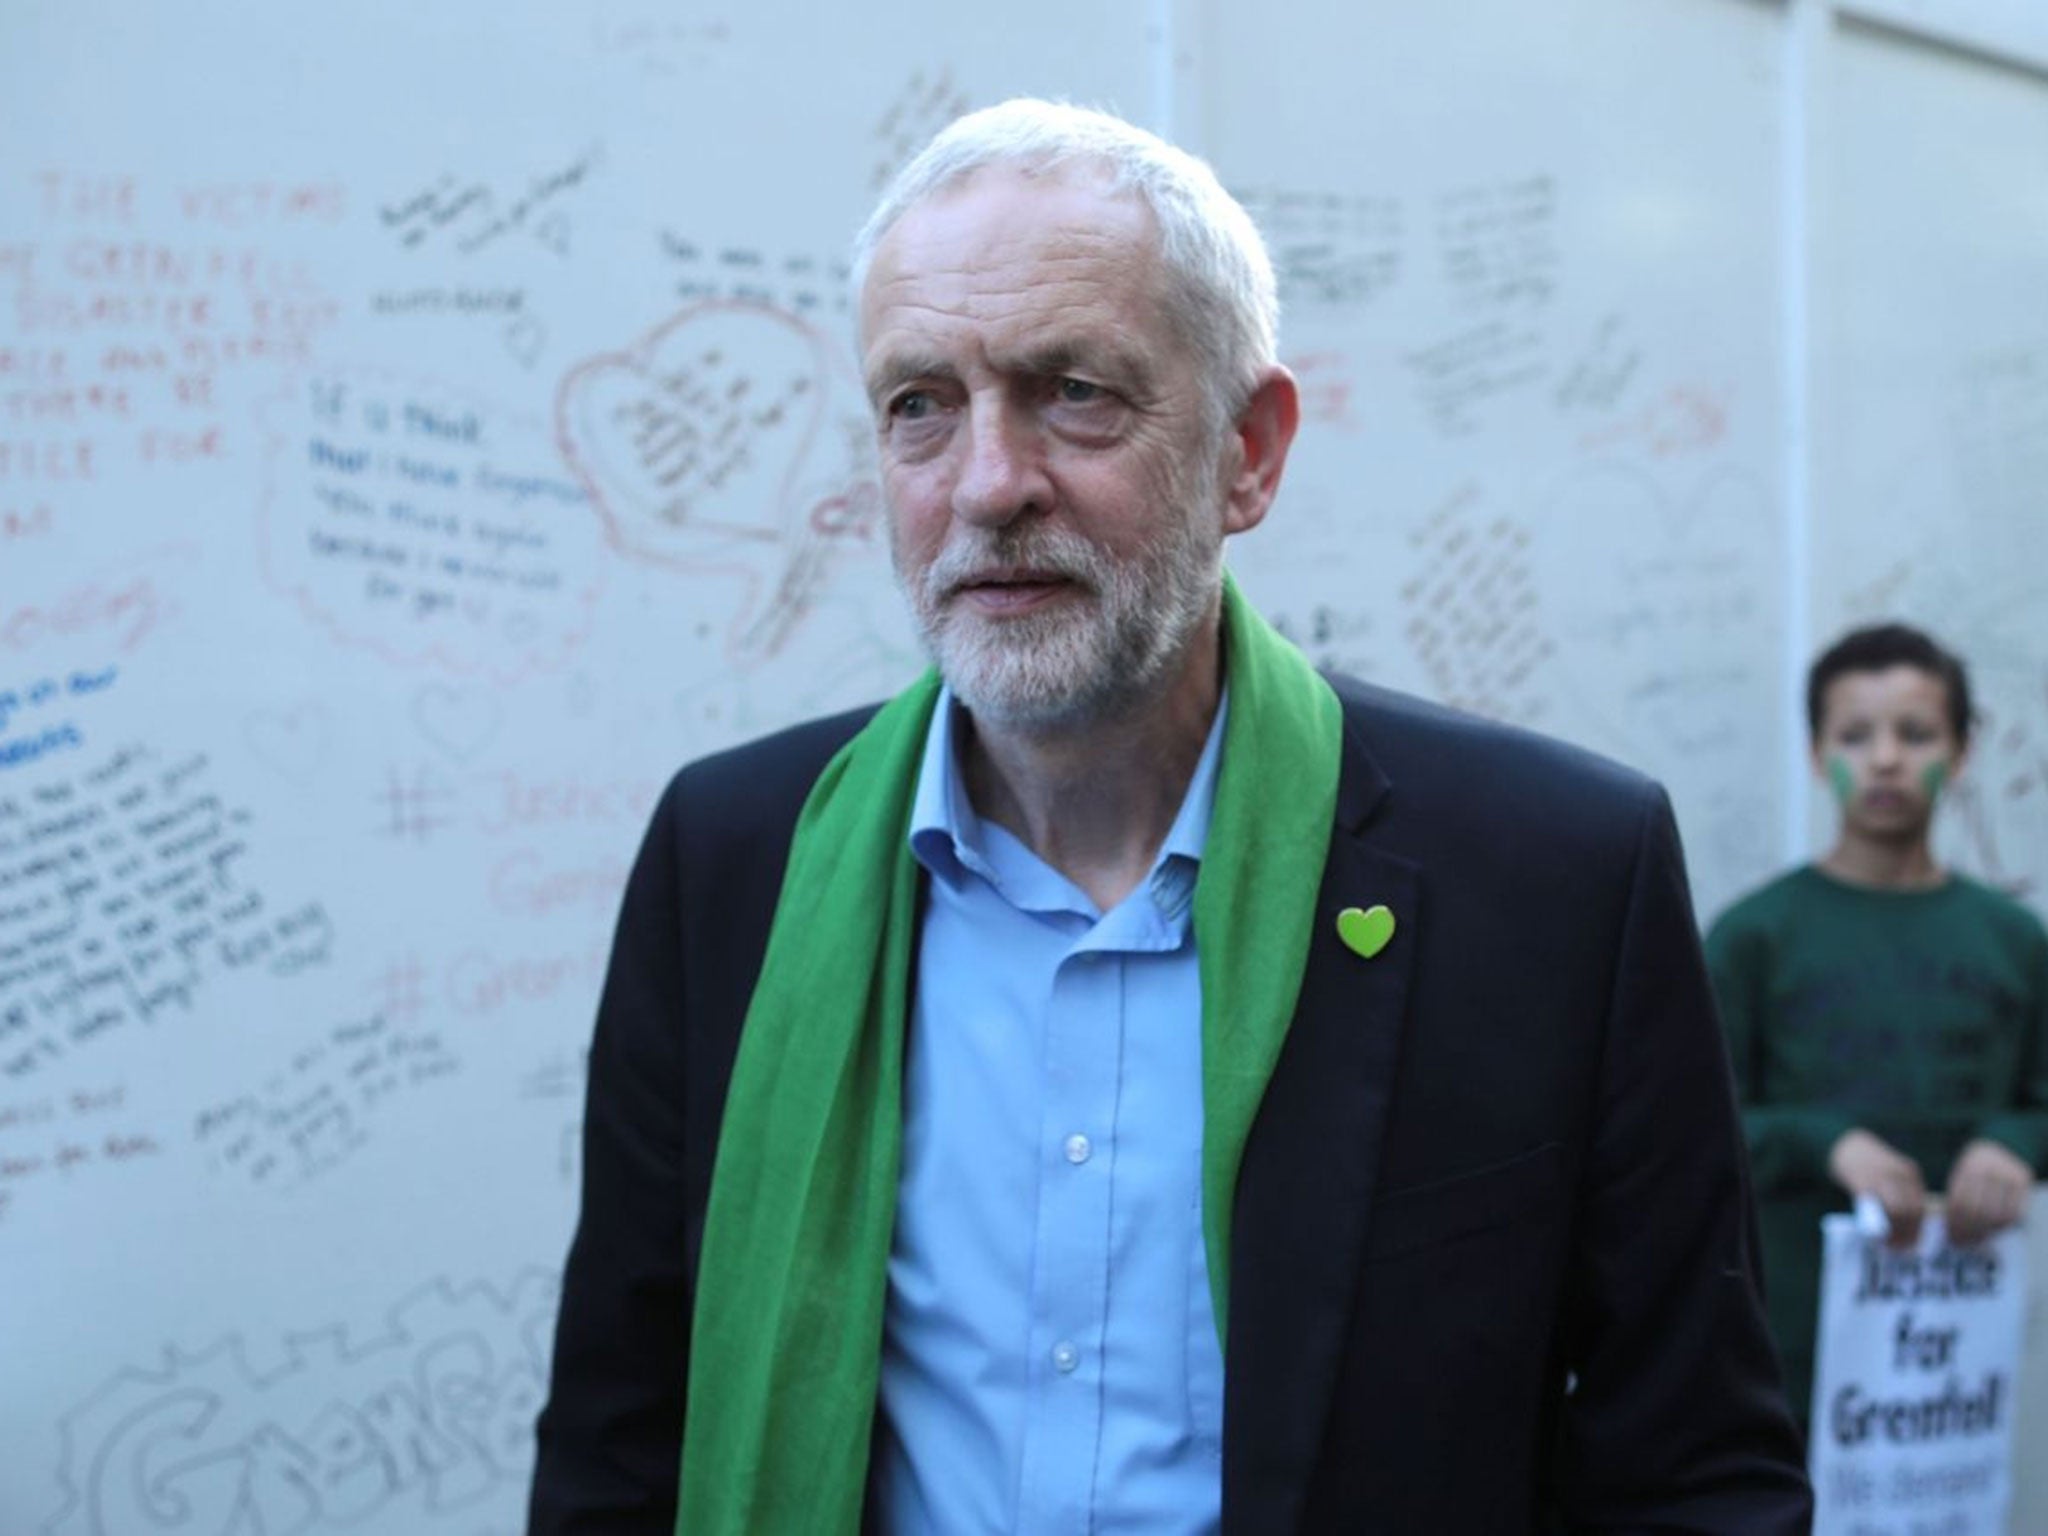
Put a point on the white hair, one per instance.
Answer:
(1220, 295)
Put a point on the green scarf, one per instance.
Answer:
(785, 1343)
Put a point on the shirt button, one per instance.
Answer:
(1077, 1149)
(1065, 1357)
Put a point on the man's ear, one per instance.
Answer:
(1263, 433)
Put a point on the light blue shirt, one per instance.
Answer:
(1050, 1361)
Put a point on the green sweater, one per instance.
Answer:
(1920, 1016)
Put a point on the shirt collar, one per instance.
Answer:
(947, 837)
(945, 832)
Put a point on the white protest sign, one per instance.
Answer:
(1915, 1383)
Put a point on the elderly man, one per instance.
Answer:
(1152, 1087)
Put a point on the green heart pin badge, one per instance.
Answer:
(1365, 932)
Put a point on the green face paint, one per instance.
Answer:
(1841, 779)
(1933, 780)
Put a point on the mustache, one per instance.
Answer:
(979, 555)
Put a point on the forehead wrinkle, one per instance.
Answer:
(1059, 214)
(1016, 341)
(948, 268)
(937, 302)
(956, 291)
(1038, 286)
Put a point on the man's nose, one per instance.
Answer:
(1003, 476)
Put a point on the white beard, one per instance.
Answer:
(1079, 660)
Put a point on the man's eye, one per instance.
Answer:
(1078, 392)
(911, 405)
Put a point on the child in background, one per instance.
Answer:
(1887, 1018)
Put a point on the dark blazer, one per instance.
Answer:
(1491, 1258)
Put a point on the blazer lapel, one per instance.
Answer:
(1311, 1163)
